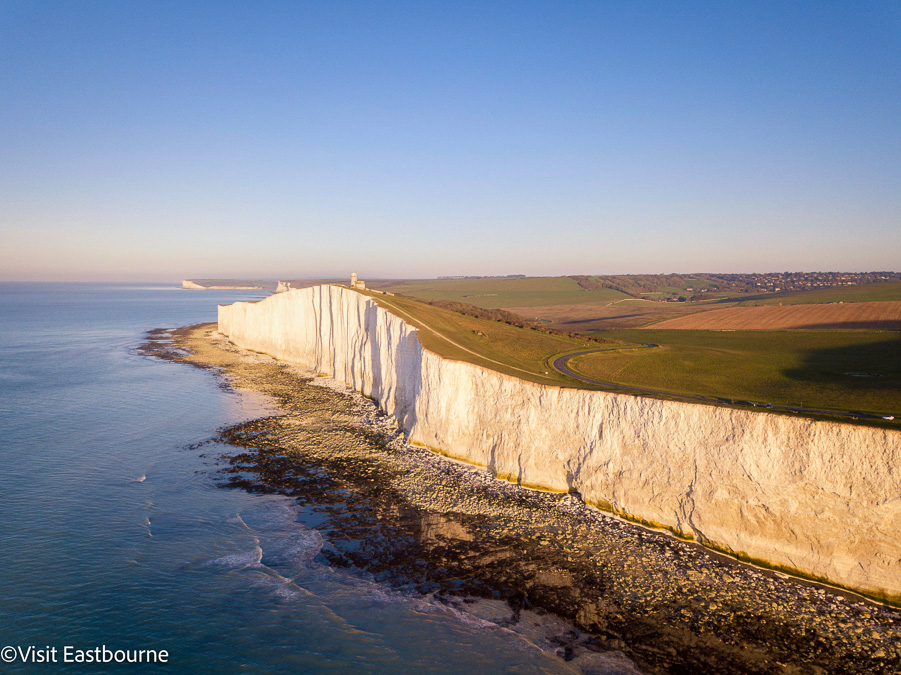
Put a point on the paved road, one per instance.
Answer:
(560, 365)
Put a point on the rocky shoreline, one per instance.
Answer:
(601, 593)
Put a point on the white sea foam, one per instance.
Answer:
(270, 515)
(240, 561)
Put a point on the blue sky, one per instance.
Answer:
(159, 140)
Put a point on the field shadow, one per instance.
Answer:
(581, 322)
(882, 324)
(876, 365)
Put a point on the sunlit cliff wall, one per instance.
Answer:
(818, 498)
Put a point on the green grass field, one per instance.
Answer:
(520, 352)
(842, 370)
(499, 293)
(879, 292)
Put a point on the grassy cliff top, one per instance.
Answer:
(512, 350)
(838, 370)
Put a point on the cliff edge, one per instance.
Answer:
(818, 499)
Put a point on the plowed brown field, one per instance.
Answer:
(624, 314)
(836, 316)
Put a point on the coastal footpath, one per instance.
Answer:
(817, 499)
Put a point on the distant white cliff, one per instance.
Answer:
(193, 285)
(818, 498)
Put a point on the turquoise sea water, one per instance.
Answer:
(113, 530)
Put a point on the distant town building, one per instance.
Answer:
(358, 284)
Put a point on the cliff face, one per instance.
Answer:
(819, 498)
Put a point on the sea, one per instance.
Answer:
(118, 535)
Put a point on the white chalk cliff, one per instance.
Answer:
(819, 498)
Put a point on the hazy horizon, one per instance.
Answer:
(409, 140)
(340, 276)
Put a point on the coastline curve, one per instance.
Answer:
(818, 499)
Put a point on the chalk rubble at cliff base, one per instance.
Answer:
(819, 498)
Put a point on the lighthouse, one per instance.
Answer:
(355, 283)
